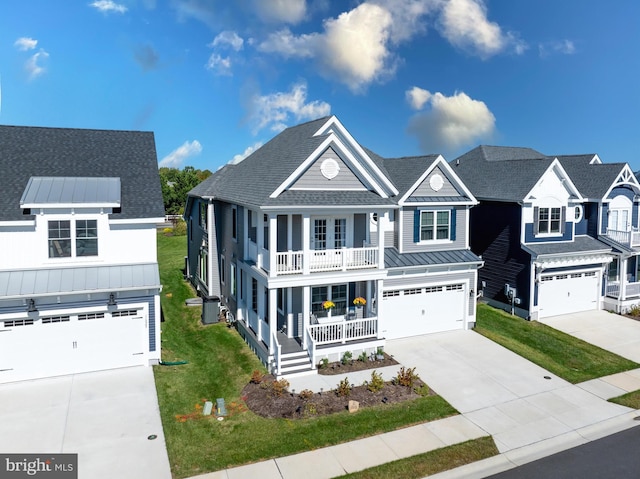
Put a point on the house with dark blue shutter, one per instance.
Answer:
(557, 234)
(315, 245)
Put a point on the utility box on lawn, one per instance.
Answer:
(210, 310)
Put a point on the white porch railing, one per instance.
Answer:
(264, 333)
(292, 262)
(311, 347)
(630, 290)
(343, 330)
(628, 238)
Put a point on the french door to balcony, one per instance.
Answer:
(619, 219)
(329, 233)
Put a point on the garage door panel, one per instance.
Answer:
(564, 293)
(417, 311)
(62, 345)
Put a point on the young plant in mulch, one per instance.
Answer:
(344, 388)
(376, 383)
(346, 358)
(407, 377)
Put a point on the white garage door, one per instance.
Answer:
(69, 344)
(415, 311)
(567, 293)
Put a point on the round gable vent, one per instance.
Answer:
(436, 182)
(330, 168)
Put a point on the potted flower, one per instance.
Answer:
(359, 301)
(328, 306)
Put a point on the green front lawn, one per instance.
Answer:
(431, 462)
(631, 400)
(565, 356)
(219, 365)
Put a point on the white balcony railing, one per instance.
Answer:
(342, 330)
(293, 262)
(630, 290)
(628, 238)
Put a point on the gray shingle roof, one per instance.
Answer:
(593, 181)
(580, 245)
(500, 173)
(393, 258)
(404, 172)
(36, 151)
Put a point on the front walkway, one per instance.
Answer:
(610, 331)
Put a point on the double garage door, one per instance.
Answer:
(564, 293)
(69, 344)
(415, 311)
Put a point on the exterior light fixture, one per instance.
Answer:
(112, 300)
(31, 306)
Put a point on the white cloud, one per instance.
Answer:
(108, 6)
(218, 64)
(451, 122)
(465, 25)
(241, 156)
(33, 64)
(284, 11)
(25, 43)
(408, 16)
(177, 157)
(563, 47)
(228, 37)
(275, 110)
(352, 49)
(417, 97)
(200, 10)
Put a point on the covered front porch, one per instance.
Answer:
(623, 283)
(307, 323)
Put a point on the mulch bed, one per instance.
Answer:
(262, 400)
(355, 365)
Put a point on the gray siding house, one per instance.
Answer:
(316, 246)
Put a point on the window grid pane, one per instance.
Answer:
(443, 225)
(426, 226)
(59, 239)
(86, 238)
(320, 234)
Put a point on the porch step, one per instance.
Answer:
(293, 363)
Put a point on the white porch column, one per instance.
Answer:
(379, 309)
(306, 308)
(289, 232)
(273, 245)
(622, 271)
(273, 310)
(260, 238)
(380, 240)
(245, 240)
(306, 249)
(368, 297)
(289, 317)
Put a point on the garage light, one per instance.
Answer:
(112, 300)
(31, 308)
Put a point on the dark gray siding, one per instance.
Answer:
(296, 241)
(228, 247)
(360, 221)
(195, 235)
(408, 243)
(448, 189)
(282, 233)
(314, 179)
(495, 235)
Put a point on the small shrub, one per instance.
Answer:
(380, 351)
(256, 377)
(346, 357)
(377, 383)
(310, 409)
(407, 377)
(324, 363)
(363, 356)
(634, 310)
(180, 228)
(279, 387)
(344, 388)
(423, 390)
(306, 394)
(167, 231)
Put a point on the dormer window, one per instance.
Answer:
(549, 220)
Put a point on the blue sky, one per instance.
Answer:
(216, 79)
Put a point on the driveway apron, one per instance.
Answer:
(512, 399)
(105, 417)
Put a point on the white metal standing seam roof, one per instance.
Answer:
(82, 279)
(49, 190)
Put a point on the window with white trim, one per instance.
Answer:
(67, 239)
(86, 238)
(339, 233)
(55, 319)
(204, 265)
(18, 322)
(124, 313)
(549, 220)
(320, 234)
(434, 225)
(232, 279)
(254, 295)
(89, 316)
(223, 270)
(234, 222)
(59, 239)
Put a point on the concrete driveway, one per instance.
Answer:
(504, 394)
(609, 331)
(105, 417)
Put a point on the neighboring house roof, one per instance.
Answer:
(500, 173)
(27, 152)
(405, 171)
(580, 245)
(81, 279)
(593, 180)
(393, 258)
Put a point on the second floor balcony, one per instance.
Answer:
(629, 237)
(343, 259)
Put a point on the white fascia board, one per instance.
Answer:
(293, 209)
(334, 121)
(87, 291)
(595, 160)
(45, 206)
(630, 180)
(133, 221)
(331, 138)
(439, 161)
(17, 223)
(440, 203)
(563, 174)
